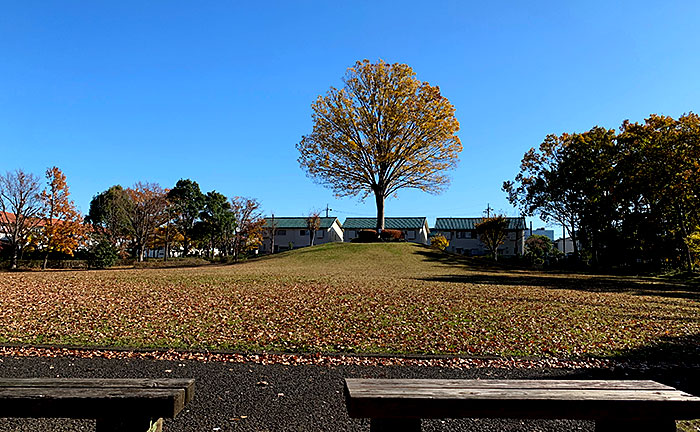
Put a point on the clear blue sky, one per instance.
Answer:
(220, 92)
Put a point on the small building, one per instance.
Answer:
(540, 231)
(565, 245)
(461, 233)
(415, 229)
(293, 232)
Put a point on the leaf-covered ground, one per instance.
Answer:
(379, 298)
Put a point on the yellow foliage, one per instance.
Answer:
(383, 131)
(439, 242)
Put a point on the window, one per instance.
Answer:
(320, 234)
(281, 232)
(411, 235)
(464, 234)
(351, 234)
(303, 233)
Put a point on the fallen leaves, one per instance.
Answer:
(344, 299)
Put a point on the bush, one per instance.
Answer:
(102, 255)
(366, 236)
(439, 242)
(392, 235)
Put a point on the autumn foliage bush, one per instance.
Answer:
(392, 235)
(439, 242)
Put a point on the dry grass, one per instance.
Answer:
(399, 298)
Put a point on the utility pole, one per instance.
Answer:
(327, 210)
(488, 210)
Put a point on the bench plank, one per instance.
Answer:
(525, 399)
(90, 403)
(186, 384)
(360, 383)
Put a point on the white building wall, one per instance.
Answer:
(467, 243)
(299, 237)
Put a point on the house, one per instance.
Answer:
(461, 233)
(415, 229)
(293, 232)
(4, 240)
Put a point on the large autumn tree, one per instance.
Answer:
(383, 131)
(566, 180)
(147, 210)
(249, 224)
(63, 230)
(661, 181)
(20, 206)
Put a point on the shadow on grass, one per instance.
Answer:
(509, 275)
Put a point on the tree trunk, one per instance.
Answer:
(185, 245)
(312, 234)
(688, 258)
(379, 197)
(46, 261)
(15, 256)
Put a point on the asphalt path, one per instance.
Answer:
(277, 397)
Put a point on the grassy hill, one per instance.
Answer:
(388, 298)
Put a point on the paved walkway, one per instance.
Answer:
(255, 397)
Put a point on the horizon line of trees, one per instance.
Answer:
(629, 198)
(124, 221)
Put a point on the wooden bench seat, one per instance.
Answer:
(116, 404)
(399, 404)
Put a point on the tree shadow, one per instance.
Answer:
(673, 361)
(477, 271)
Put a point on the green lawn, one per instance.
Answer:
(378, 298)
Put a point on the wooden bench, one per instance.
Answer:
(399, 404)
(137, 405)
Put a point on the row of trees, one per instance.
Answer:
(626, 197)
(43, 219)
(123, 221)
(146, 216)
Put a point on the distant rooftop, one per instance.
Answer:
(389, 223)
(297, 222)
(447, 224)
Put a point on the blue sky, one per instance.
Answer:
(220, 92)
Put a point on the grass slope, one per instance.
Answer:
(379, 298)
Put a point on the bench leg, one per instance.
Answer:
(394, 425)
(129, 425)
(651, 425)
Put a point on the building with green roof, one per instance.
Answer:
(293, 232)
(415, 229)
(461, 233)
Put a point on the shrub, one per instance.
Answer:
(102, 255)
(366, 236)
(392, 235)
(439, 242)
